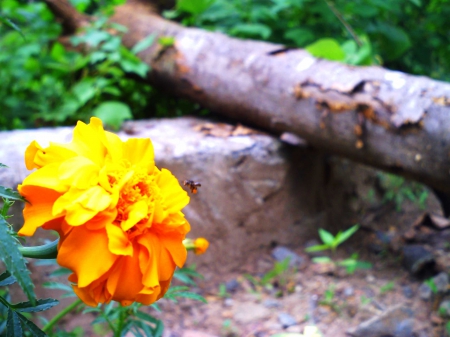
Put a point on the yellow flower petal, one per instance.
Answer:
(38, 209)
(46, 177)
(80, 206)
(118, 242)
(87, 141)
(86, 253)
(79, 172)
(136, 213)
(125, 288)
(139, 151)
(175, 198)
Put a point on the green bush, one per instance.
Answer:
(46, 82)
(407, 35)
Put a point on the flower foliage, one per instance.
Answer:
(118, 216)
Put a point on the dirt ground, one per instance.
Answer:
(312, 294)
(329, 298)
(240, 304)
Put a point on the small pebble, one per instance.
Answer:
(425, 292)
(286, 320)
(271, 303)
(228, 302)
(232, 285)
(441, 281)
(407, 292)
(444, 308)
(348, 291)
(281, 253)
(370, 278)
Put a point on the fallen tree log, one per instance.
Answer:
(390, 120)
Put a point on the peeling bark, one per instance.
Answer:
(386, 119)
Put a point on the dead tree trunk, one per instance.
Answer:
(387, 119)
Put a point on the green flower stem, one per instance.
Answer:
(48, 327)
(48, 251)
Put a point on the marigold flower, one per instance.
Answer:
(118, 216)
(201, 245)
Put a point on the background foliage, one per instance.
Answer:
(46, 80)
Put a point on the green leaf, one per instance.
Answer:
(60, 272)
(194, 7)
(299, 36)
(6, 279)
(394, 41)
(321, 259)
(14, 261)
(113, 113)
(143, 44)
(13, 326)
(326, 237)
(57, 286)
(8, 193)
(84, 91)
(41, 305)
(346, 234)
(317, 248)
(190, 295)
(326, 48)
(146, 317)
(251, 30)
(166, 41)
(11, 24)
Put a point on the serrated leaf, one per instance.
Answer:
(143, 44)
(6, 279)
(41, 305)
(8, 193)
(34, 329)
(14, 261)
(183, 278)
(57, 286)
(13, 326)
(60, 272)
(146, 317)
(192, 296)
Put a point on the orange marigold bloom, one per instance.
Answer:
(201, 245)
(118, 216)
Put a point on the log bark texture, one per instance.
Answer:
(386, 119)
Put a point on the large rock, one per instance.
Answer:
(256, 191)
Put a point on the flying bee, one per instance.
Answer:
(193, 185)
